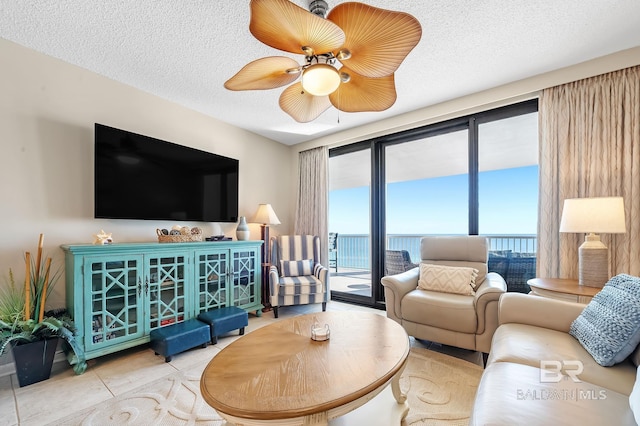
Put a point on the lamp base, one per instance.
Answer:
(266, 266)
(593, 262)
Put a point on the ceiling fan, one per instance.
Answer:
(368, 42)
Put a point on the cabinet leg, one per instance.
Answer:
(275, 311)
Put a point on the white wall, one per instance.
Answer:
(47, 112)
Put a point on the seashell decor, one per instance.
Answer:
(102, 238)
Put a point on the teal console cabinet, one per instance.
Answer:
(118, 293)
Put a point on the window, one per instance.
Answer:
(349, 217)
(475, 175)
(508, 175)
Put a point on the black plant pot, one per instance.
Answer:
(34, 360)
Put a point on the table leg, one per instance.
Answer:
(398, 394)
(395, 385)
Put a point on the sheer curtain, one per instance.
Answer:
(312, 201)
(589, 147)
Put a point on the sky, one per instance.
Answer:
(508, 205)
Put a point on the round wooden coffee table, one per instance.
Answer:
(279, 375)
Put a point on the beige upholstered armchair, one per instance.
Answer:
(296, 276)
(463, 320)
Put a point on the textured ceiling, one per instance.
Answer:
(185, 50)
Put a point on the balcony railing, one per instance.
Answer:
(354, 249)
(513, 256)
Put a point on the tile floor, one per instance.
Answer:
(112, 375)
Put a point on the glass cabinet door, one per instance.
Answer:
(244, 291)
(211, 269)
(164, 286)
(114, 294)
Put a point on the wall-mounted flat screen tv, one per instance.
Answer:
(139, 177)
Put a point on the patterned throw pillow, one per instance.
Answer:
(447, 279)
(609, 326)
(296, 268)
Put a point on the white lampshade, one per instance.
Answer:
(592, 216)
(265, 215)
(600, 215)
(320, 79)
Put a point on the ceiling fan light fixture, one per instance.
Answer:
(343, 54)
(369, 42)
(320, 79)
(319, 7)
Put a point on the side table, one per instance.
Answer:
(562, 289)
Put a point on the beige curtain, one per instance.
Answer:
(312, 201)
(589, 147)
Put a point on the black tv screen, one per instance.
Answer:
(139, 177)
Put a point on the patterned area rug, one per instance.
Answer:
(172, 400)
(440, 390)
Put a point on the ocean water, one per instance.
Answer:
(354, 249)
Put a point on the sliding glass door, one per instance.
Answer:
(350, 224)
(427, 193)
(473, 175)
(508, 196)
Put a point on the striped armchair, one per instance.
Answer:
(296, 276)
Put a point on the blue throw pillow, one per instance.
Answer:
(609, 326)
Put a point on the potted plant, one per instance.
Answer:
(31, 332)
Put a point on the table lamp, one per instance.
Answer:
(593, 216)
(265, 216)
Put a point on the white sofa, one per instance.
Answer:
(515, 390)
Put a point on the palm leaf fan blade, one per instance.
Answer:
(264, 73)
(362, 93)
(288, 27)
(378, 39)
(302, 106)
